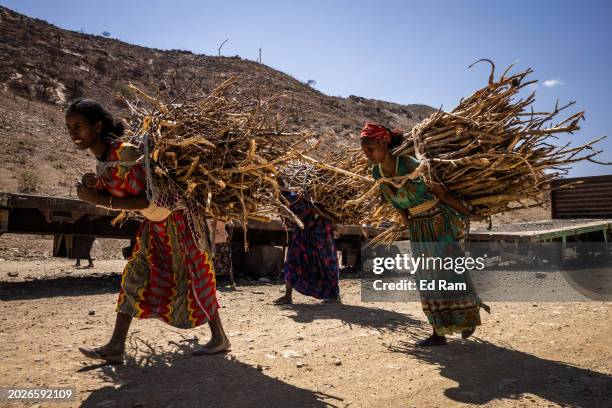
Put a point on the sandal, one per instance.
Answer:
(94, 353)
(432, 341)
(467, 332)
(224, 346)
(283, 301)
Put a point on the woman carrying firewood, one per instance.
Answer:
(437, 221)
(167, 276)
(311, 266)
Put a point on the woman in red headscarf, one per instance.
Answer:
(437, 221)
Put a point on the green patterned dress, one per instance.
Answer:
(436, 232)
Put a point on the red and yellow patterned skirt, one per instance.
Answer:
(168, 277)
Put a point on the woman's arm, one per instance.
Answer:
(402, 212)
(107, 201)
(126, 203)
(449, 199)
(329, 216)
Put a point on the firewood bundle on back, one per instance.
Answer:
(493, 150)
(215, 155)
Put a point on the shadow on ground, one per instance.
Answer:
(363, 316)
(151, 378)
(94, 284)
(486, 372)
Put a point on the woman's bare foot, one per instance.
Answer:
(109, 352)
(283, 300)
(214, 345)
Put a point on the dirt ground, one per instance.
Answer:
(308, 354)
(39, 248)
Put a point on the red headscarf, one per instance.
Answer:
(374, 131)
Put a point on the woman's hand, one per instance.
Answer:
(447, 198)
(87, 193)
(404, 217)
(89, 180)
(102, 199)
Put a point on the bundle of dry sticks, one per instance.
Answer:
(493, 151)
(216, 155)
(332, 181)
(221, 154)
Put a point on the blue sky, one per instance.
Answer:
(399, 51)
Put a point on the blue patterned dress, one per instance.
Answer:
(311, 266)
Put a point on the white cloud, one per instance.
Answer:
(551, 83)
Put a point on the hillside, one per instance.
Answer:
(42, 68)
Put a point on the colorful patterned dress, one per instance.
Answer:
(435, 233)
(311, 266)
(167, 276)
